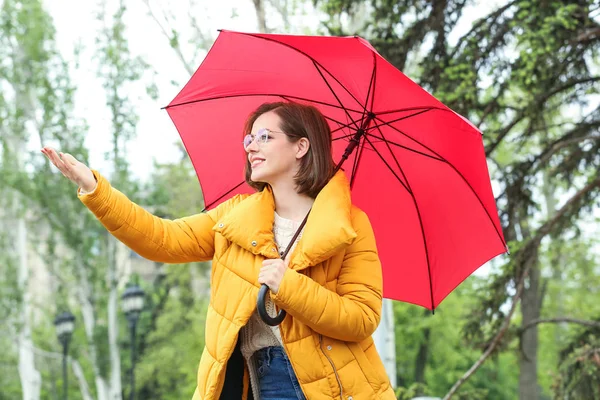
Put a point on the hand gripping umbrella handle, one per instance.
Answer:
(261, 305)
(261, 301)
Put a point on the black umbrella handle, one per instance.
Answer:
(261, 305)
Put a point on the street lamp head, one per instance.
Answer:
(133, 302)
(64, 323)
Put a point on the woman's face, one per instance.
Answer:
(272, 156)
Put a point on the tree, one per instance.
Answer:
(172, 335)
(524, 75)
(119, 70)
(24, 70)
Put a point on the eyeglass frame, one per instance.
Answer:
(255, 138)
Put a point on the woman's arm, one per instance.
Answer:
(353, 312)
(182, 240)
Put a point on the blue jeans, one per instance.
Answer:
(276, 377)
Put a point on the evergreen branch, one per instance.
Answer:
(539, 101)
(558, 320)
(523, 257)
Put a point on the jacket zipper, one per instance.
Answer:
(337, 377)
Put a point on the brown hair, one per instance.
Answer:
(300, 121)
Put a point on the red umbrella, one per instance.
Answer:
(418, 170)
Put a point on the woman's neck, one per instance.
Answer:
(289, 204)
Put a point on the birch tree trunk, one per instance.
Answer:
(88, 312)
(113, 320)
(31, 380)
(83, 386)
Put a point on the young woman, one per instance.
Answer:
(329, 284)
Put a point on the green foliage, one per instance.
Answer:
(174, 190)
(526, 74)
(174, 338)
(119, 71)
(580, 367)
(449, 354)
(172, 332)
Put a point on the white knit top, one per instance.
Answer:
(256, 334)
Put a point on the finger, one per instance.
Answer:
(55, 158)
(269, 267)
(263, 271)
(272, 262)
(266, 274)
(69, 158)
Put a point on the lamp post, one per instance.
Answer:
(133, 302)
(64, 323)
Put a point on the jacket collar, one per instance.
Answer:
(328, 229)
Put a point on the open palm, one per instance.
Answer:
(76, 171)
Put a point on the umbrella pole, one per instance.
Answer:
(355, 140)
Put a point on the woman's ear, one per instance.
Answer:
(302, 147)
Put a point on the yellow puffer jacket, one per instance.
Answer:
(332, 291)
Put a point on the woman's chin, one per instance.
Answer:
(257, 177)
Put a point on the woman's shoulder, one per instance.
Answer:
(359, 218)
(229, 204)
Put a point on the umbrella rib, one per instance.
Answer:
(412, 109)
(388, 165)
(404, 134)
(310, 58)
(215, 201)
(405, 147)
(423, 111)
(263, 95)
(409, 189)
(342, 125)
(335, 95)
(342, 137)
(455, 170)
(285, 97)
(392, 154)
(371, 85)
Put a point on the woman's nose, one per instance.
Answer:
(252, 147)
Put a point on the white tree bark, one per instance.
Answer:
(31, 380)
(88, 313)
(113, 321)
(83, 386)
(385, 340)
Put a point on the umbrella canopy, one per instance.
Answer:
(418, 170)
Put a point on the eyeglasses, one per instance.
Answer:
(262, 136)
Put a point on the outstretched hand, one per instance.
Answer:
(77, 172)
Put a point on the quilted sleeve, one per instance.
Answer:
(353, 312)
(171, 241)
